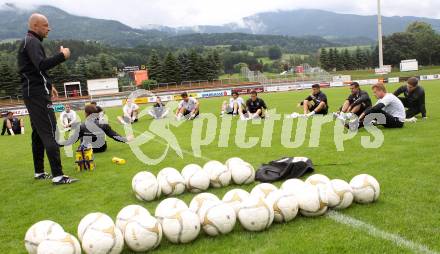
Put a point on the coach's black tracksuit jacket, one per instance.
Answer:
(33, 66)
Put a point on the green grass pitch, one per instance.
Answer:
(406, 165)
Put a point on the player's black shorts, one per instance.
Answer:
(362, 109)
(17, 130)
(230, 111)
(323, 111)
(260, 114)
(187, 112)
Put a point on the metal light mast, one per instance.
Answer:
(379, 34)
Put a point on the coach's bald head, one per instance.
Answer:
(39, 24)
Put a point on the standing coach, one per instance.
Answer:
(37, 90)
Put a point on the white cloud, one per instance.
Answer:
(138, 13)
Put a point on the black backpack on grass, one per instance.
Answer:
(284, 168)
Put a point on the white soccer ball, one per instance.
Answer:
(317, 179)
(127, 213)
(145, 186)
(39, 232)
(340, 194)
(366, 189)
(196, 179)
(60, 243)
(109, 240)
(219, 174)
(199, 199)
(232, 161)
(255, 214)
(168, 206)
(217, 218)
(182, 226)
(242, 173)
(293, 186)
(285, 205)
(313, 200)
(235, 197)
(143, 233)
(99, 221)
(171, 181)
(263, 190)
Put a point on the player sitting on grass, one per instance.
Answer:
(12, 125)
(235, 106)
(68, 116)
(356, 103)
(388, 105)
(102, 117)
(188, 108)
(413, 100)
(255, 107)
(159, 110)
(92, 133)
(131, 111)
(316, 103)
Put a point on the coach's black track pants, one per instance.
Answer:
(43, 124)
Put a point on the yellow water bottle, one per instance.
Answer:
(118, 161)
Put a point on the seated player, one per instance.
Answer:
(159, 110)
(68, 116)
(188, 108)
(131, 111)
(235, 106)
(102, 116)
(12, 125)
(388, 105)
(316, 103)
(356, 103)
(413, 99)
(255, 107)
(92, 133)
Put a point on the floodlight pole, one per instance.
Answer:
(379, 31)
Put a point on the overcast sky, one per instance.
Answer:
(138, 13)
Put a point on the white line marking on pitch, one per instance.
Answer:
(378, 233)
(354, 223)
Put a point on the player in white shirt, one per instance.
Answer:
(68, 116)
(131, 111)
(188, 107)
(388, 105)
(235, 106)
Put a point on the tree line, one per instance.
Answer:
(185, 66)
(334, 59)
(419, 41)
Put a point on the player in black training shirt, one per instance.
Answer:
(255, 107)
(159, 110)
(92, 133)
(12, 125)
(414, 98)
(103, 119)
(355, 104)
(316, 103)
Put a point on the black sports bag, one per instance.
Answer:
(284, 168)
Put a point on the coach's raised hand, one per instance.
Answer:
(65, 51)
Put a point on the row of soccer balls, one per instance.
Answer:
(193, 178)
(180, 223)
